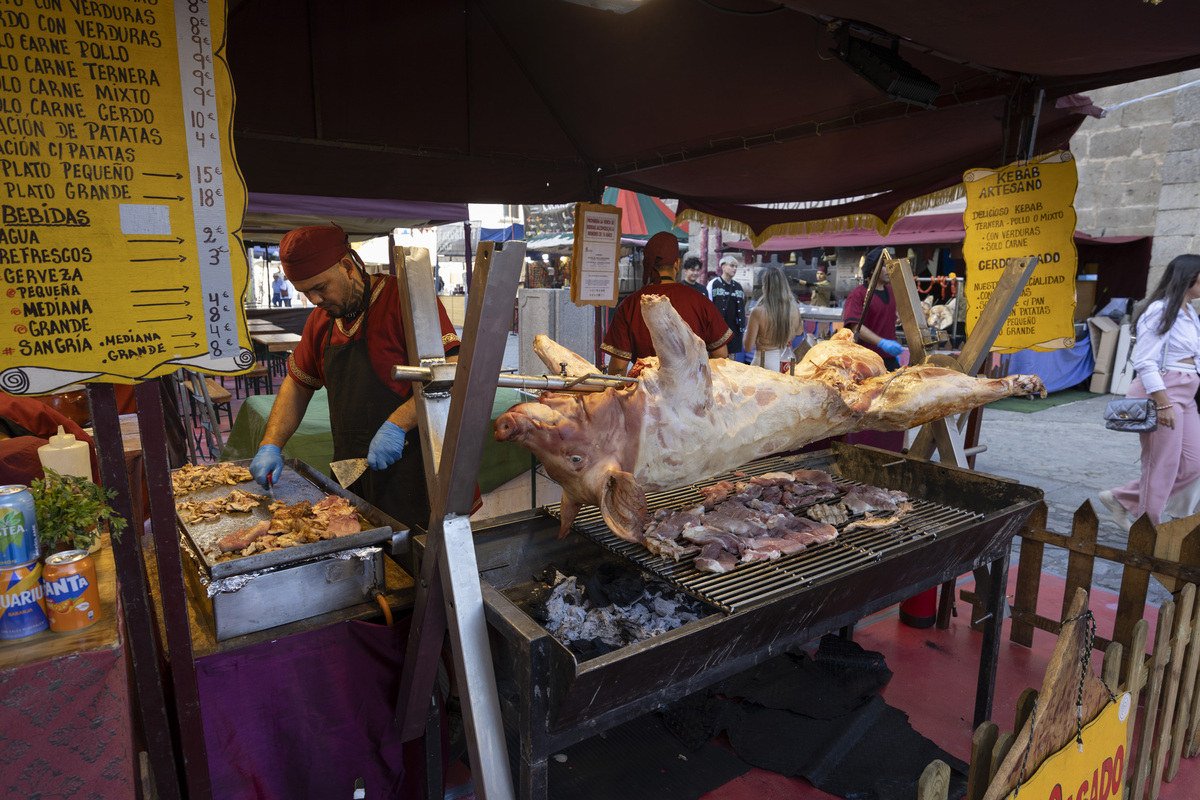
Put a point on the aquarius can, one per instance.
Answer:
(72, 595)
(22, 605)
(18, 527)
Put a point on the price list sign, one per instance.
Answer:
(120, 201)
(595, 255)
(1024, 209)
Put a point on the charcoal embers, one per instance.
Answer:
(608, 609)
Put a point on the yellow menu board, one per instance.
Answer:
(1024, 209)
(120, 201)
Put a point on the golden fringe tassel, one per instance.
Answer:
(847, 222)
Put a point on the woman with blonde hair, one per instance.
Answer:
(774, 322)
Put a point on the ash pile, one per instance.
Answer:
(607, 609)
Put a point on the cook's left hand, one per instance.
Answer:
(386, 447)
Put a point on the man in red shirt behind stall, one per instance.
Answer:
(350, 343)
(628, 339)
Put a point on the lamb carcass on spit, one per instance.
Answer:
(690, 418)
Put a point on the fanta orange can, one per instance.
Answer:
(72, 596)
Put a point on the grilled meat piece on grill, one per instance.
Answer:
(690, 418)
(240, 540)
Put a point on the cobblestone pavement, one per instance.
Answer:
(1068, 453)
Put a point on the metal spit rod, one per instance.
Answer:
(592, 382)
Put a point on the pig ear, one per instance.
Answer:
(623, 505)
(554, 355)
(567, 511)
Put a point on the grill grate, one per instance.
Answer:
(753, 583)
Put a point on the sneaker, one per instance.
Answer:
(1119, 514)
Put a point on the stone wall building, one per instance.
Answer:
(1139, 166)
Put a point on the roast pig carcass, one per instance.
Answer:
(690, 418)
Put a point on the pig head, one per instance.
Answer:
(588, 444)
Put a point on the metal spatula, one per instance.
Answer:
(348, 470)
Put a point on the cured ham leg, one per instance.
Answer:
(690, 418)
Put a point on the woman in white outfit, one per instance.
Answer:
(773, 323)
(1165, 357)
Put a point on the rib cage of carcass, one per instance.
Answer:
(690, 417)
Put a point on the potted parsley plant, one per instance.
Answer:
(72, 512)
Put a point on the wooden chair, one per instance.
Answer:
(208, 398)
(256, 381)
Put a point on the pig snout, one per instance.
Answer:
(511, 426)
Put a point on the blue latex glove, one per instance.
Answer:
(386, 446)
(891, 347)
(267, 466)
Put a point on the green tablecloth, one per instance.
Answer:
(312, 442)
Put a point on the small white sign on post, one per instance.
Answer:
(596, 253)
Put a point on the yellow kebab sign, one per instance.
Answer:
(1024, 209)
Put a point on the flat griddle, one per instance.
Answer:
(299, 481)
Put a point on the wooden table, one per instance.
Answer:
(263, 326)
(276, 342)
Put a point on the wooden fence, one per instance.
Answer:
(1165, 722)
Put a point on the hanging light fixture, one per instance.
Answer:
(885, 69)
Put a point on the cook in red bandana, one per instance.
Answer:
(351, 341)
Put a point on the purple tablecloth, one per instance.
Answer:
(307, 714)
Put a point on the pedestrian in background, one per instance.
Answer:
(730, 299)
(1165, 355)
(693, 268)
(773, 323)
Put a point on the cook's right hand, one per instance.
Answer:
(267, 466)
(891, 347)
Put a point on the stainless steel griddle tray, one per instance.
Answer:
(299, 481)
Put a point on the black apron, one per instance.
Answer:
(359, 403)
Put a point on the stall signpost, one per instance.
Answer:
(1022, 210)
(120, 201)
(596, 253)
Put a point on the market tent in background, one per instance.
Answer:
(1121, 263)
(547, 101)
(642, 216)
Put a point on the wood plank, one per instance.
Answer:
(1131, 602)
(1130, 559)
(1136, 680)
(983, 742)
(1158, 667)
(1004, 743)
(1110, 670)
(1166, 724)
(1029, 575)
(1080, 565)
(1026, 704)
(1169, 546)
(1187, 710)
(934, 783)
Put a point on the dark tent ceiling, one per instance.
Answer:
(708, 101)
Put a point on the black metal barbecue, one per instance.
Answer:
(550, 700)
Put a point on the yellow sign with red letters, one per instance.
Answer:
(1095, 771)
